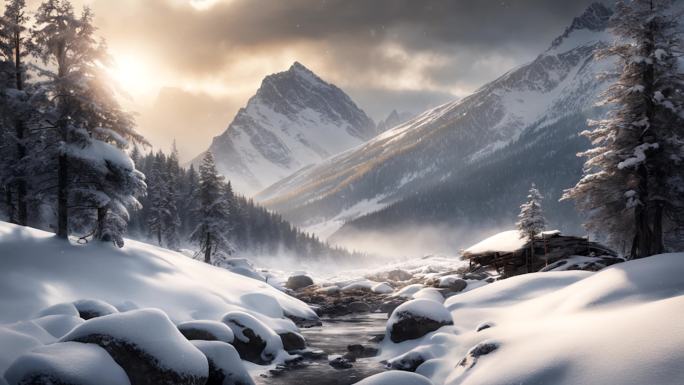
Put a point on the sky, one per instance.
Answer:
(189, 65)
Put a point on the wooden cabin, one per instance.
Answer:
(511, 255)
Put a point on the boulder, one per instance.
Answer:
(66, 363)
(389, 306)
(452, 284)
(358, 307)
(414, 319)
(382, 288)
(360, 351)
(297, 282)
(412, 359)
(254, 340)
(481, 349)
(58, 325)
(292, 341)
(340, 363)
(225, 365)
(147, 345)
(92, 308)
(207, 331)
(398, 275)
(395, 377)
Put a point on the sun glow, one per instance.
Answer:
(135, 76)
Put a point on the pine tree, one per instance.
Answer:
(531, 220)
(16, 107)
(90, 130)
(212, 213)
(633, 185)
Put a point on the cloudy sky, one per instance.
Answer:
(190, 64)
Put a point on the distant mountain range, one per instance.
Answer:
(466, 161)
(295, 119)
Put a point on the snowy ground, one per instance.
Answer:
(38, 271)
(617, 326)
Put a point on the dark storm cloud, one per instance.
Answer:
(205, 40)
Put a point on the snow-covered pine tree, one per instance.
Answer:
(172, 220)
(91, 130)
(212, 212)
(531, 220)
(16, 109)
(632, 190)
(157, 194)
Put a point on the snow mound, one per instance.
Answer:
(58, 325)
(382, 288)
(409, 291)
(207, 331)
(92, 308)
(149, 331)
(364, 285)
(254, 340)
(12, 345)
(59, 309)
(429, 293)
(395, 378)
(616, 326)
(225, 366)
(503, 242)
(416, 318)
(70, 363)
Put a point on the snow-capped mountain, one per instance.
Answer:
(443, 143)
(295, 119)
(393, 119)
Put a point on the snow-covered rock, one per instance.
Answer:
(14, 344)
(429, 293)
(206, 331)
(254, 340)
(225, 366)
(58, 324)
(382, 288)
(67, 363)
(60, 309)
(416, 318)
(147, 345)
(412, 359)
(409, 291)
(91, 308)
(296, 282)
(295, 119)
(395, 378)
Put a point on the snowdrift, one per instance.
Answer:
(48, 287)
(618, 326)
(38, 270)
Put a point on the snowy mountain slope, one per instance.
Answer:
(441, 143)
(295, 119)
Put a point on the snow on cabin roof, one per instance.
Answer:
(503, 242)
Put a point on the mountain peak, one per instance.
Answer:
(594, 18)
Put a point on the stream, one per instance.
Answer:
(332, 338)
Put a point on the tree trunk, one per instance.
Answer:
(207, 248)
(62, 198)
(101, 217)
(643, 233)
(20, 129)
(10, 205)
(657, 241)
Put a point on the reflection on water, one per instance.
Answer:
(333, 337)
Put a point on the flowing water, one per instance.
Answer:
(332, 338)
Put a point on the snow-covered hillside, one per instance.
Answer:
(38, 270)
(295, 119)
(438, 144)
(141, 297)
(618, 326)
